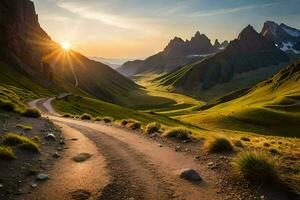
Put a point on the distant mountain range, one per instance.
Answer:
(27, 49)
(284, 36)
(250, 52)
(112, 62)
(177, 53)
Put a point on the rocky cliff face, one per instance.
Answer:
(22, 38)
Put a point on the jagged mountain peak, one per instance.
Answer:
(248, 32)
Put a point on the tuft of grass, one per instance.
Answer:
(238, 143)
(23, 142)
(124, 122)
(6, 153)
(30, 146)
(256, 166)
(67, 115)
(219, 145)
(134, 125)
(153, 127)
(266, 144)
(86, 116)
(32, 170)
(108, 119)
(245, 139)
(31, 112)
(97, 119)
(24, 127)
(179, 133)
(7, 106)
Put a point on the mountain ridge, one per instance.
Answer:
(177, 53)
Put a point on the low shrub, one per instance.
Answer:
(31, 112)
(30, 146)
(219, 145)
(6, 153)
(124, 122)
(67, 115)
(97, 119)
(238, 143)
(256, 166)
(7, 106)
(266, 144)
(134, 125)
(153, 127)
(23, 142)
(86, 116)
(179, 133)
(245, 139)
(108, 119)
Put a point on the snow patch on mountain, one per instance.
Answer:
(291, 32)
(288, 46)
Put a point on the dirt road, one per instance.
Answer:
(124, 165)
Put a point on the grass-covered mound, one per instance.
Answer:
(218, 145)
(108, 119)
(153, 127)
(6, 153)
(31, 112)
(23, 142)
(86, 116)
(134, 125)
(178, 133)
(257, 167)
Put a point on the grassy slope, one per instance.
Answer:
(79, 105)
(180, 103)
(272, 107)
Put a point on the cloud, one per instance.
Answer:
(225, 11)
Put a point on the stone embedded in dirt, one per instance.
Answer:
(177, 148)
(81, 195)
(1, 185)
(154, 135)
(50, 137)
(62, 142)
(187, 141)
(210, 164)
(56, 155)
(160, 145)
(34, 185)
(82, 157)
(42, 177)
(190, 175)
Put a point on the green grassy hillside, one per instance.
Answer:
(271, 107)
(78, 105)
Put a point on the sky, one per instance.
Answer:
(131, 29)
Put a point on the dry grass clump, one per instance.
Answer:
(256, 166)
(179, 133)
(7, 106)
(219, 145)
(134, 125)
(108, 119)
(67, 115)
(31, 112)
(13, 139)
(238, 143)
(245, 139)
(153, 127)
(98, 119)
(86, 116)
(6, 153)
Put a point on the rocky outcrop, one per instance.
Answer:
(177, 53)
(22, 38)
(284, 36)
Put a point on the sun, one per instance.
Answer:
(65, 45)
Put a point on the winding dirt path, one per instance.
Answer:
(124, 165)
